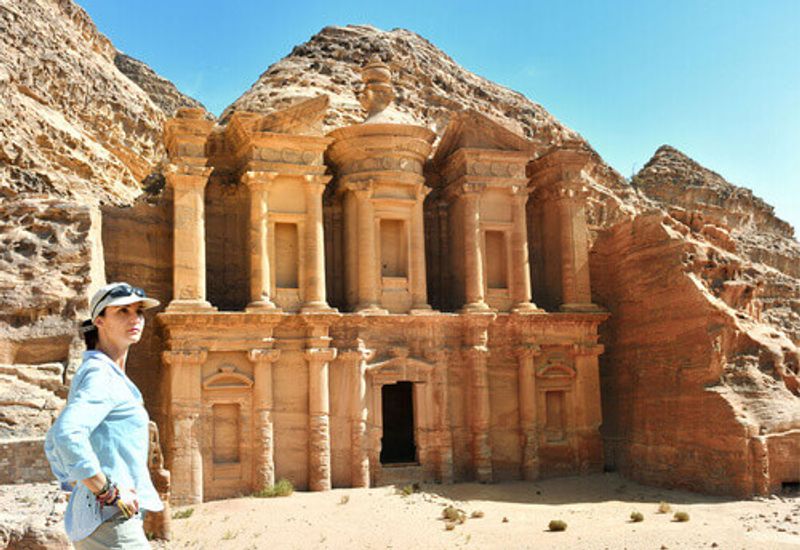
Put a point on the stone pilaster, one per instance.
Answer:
(419, 283)
(476, 354)
(574, 237)
(356, 362)
(188, 185)
(557, 177)
(260, 284)
(368, 288)
(184, 387)
(315, 298)
(521, 275)
(318, 356)
(589, 444)
(473, 257)
(443, 440)
(529, 434)
(264, 463)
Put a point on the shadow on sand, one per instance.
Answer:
(569, 490)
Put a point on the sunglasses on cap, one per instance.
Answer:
(121, 291)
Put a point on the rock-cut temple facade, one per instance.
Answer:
(356, 308)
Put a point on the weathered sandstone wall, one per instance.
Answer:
(696, 391)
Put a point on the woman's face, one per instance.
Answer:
(122, 325)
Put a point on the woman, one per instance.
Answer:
(99, 443)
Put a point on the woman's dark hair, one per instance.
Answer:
(90, 334)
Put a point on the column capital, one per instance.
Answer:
(320, 355)
(477, 351)
(183, 176)
(528, 351)
(177, 358)
(315, 180)
(586, 349)
(258, 178)
(263, 355)
(471, 190)
(519, 193)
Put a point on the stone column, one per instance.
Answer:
(319, 440)
(314, 298)
(184, 386)
(260, 284)
(473, 257)
(576, 293)
(264, 463)
(189, 239)
(477, 354)
(368, 291)
(419, 283)
(521, 275)
(589, 443)
(356, 360)
(529, 434)
(444, 437)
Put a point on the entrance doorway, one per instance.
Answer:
(397, 444)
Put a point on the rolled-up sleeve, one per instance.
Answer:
(68, 446)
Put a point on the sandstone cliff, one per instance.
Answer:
(700, 378)
(80, 124)
(160, 90)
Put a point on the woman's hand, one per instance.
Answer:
(128, 502)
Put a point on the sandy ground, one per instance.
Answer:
(515, 515)
(596, 509)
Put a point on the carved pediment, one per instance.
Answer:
(401, 368)
(303, 118)
(227, 378)
(556, 370)
(470, 129)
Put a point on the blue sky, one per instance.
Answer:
(719, 80)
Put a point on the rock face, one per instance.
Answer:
(75, 130)
(672, 178)
(700, 378)
(71, 124)
(160, 90)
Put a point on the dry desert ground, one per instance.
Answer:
(596, 509)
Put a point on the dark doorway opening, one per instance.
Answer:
(790, 487)
(397, 445)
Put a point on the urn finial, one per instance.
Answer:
(378, 92)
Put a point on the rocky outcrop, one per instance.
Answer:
(80, 124)
(160, 90)
(71, 124)
(673, 179)
(699, 390)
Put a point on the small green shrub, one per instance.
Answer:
(283, 488)
(452, 513)
(183, 514)
(345, 499)
(664, 507)
(407, 490)
(557, 525)
(681, 516)
(636, 517)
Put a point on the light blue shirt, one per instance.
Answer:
(103, 428)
